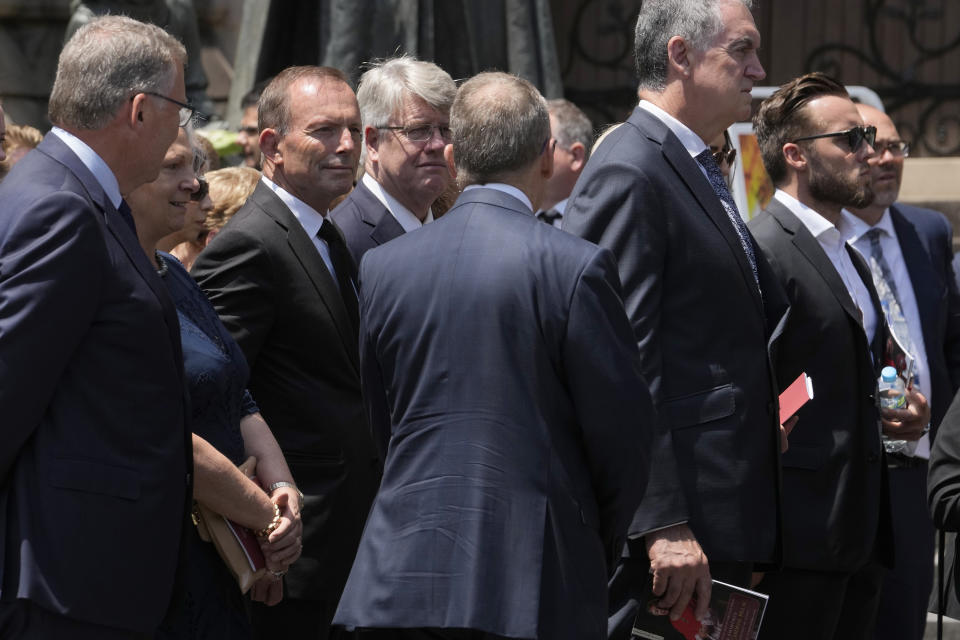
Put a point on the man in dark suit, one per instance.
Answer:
(912, 248)
(283, 282)
(574, 135)
(703, 304)
(95, 463)
(500, 373)
(405, 104)
(837, 522)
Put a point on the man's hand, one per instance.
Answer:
(679, 569)
(785, 430)
(909, 423)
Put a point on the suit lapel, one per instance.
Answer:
(309, 258)
(927, 285)
(692, 176)
(384, 227)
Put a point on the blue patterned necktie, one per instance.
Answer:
(705, 158)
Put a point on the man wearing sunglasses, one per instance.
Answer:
(405, 105)
(909, 251)
(836, 519)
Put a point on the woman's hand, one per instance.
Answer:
(283, 546)
(268, 590)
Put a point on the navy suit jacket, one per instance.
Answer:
(94, 483)
(926, 241)
(365, 222)
(500, 367)
(276, 297)
(834, 476)
(704, 333)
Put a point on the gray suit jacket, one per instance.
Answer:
(500, 372)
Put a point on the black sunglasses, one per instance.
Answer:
(854, 136)
(201, 191)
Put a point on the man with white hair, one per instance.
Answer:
(95, 463)
(405, 106)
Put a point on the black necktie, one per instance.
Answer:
(343, 265)
(549, 215)
(127, 215)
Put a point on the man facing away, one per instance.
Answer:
(501, 376)
(574, 135)
(837, 523)
(909, 251)
(704, 307)
(95, 462)
(405, 104)
(282, 281)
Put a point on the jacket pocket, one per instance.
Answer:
(698, 408)
(95, 477)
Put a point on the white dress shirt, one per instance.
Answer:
(834, 246)
(309, 219)
(92, 161)
(404, 216)
(508, 189)
(693, 143)
(854, 230)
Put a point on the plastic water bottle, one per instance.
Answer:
(893, 395)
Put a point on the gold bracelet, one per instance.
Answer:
(271, 526)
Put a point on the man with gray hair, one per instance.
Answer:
(501, 377)
(574, 135)
(405, 106)
(95, 463)
(653, 194)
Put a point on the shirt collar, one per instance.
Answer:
(508, 189)
(407, 219)
(561, 206)
(690, 141)
(310, 219)
(92, 161)
(821, 228)
(853, 228)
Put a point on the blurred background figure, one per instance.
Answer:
(17, 142)
(572, 130)
(248, 135)
(725, 155)
(225, 423)
(229, 189)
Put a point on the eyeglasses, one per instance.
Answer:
(726, 154)
(854, 136)
(897, 148)
(423, 132)
(187, 113)
(201, 191)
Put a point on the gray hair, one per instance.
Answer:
(573, 125)
(383, 87)
(500, 124)
(698, 22)
(104, 63)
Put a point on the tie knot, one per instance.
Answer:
(549, 215)
(327, 232)
(705, 158)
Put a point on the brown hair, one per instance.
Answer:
(273, 111)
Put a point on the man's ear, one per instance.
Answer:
(678, 56)
(371, 137)
(448, 156)
(269, 146)
(546, 163)
(794, 156)
(134, 117)
(579, 153)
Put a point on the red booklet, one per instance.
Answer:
(795, 396)
(249, 544)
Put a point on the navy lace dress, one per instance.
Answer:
(216, 372)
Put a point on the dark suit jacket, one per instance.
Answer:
(365, 222)
(498, 362)
(703, 331)
(94, 463)
(834, 476)
(276, 297)
(926, 241)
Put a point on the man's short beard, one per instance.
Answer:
(826, 186)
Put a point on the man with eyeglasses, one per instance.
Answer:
(909, 251)
(836, 519)
(405, 104)
(283, 281)
(573, 132)
(95, 467)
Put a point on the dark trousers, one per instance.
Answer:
(631, 581)
(823, 605)
(294, 618)
(423, 634)
(906, 589)
(23, 620)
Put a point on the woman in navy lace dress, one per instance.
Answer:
(225, 423)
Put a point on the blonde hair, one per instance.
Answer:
(229, 189)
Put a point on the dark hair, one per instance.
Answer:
(252, 98)
(273, 111)
(781, 118)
